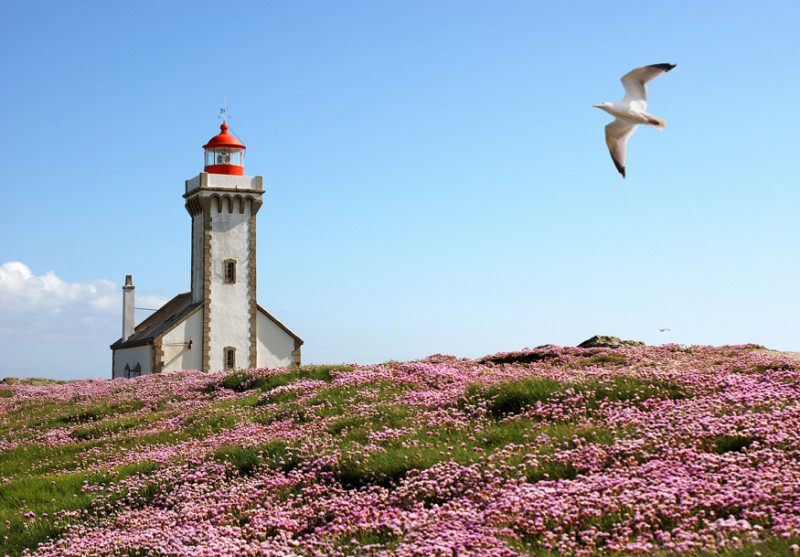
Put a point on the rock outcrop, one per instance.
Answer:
(603, 341)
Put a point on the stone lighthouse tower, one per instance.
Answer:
(223, 203)
(218, 324)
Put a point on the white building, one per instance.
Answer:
(218, 324)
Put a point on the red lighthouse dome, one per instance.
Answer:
(224, 153)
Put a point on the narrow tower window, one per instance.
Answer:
(230, 357)
(230, 271)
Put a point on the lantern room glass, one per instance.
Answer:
(224, 155)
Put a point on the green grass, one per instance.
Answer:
(334, 401)
(426, 447)
(722, 444)
(523, 358)
(27, 414)
(464, 446)
(35, 459)
(604, 359)
(208, 423)
(45, 479)
(95, 412)
(46, 495)
(238, 381)
(354, 428)
(773, 547)
(419, 449)
(111, 427)
(775, 366)
(550, 470)
(352, 544)
(246, 460)
(392, 416)
(385, 468)
(241, 381)
(512, 397)
(622, 388)
(326, 402)
(41, 459)
(353, 431)
(338, 401)
(527, 546)
(50, 478)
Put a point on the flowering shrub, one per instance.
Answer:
(554, 451)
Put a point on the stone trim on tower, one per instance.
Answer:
(252, 290)
(206, 203)
(296, 356)
(158, 355)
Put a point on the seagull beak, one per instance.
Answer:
(596, 106)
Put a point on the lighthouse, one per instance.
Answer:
(218, 324)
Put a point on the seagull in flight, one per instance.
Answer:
(630, 111)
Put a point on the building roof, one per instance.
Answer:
(224, 139)
(172, 313)
(160, 322)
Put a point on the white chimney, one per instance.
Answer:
(127, 307)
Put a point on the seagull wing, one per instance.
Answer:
(635, 83)
(617, 134)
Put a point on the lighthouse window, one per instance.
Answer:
(230, 271)
(230, 357)
(223, 157)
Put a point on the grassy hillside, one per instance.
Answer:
(553, 451)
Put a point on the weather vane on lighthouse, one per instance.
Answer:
(223, 112)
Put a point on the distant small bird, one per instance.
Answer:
(663, 330)
(630, 111)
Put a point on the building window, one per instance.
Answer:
(230, 357)
(135, 372)
(230, 271)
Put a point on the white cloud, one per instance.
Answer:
(22, 291)
(53, 328)
(47, 306)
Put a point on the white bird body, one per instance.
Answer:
(630, 111)
(632, 115)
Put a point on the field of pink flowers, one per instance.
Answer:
(555, 451)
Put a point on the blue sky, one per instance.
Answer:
(437, 180)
